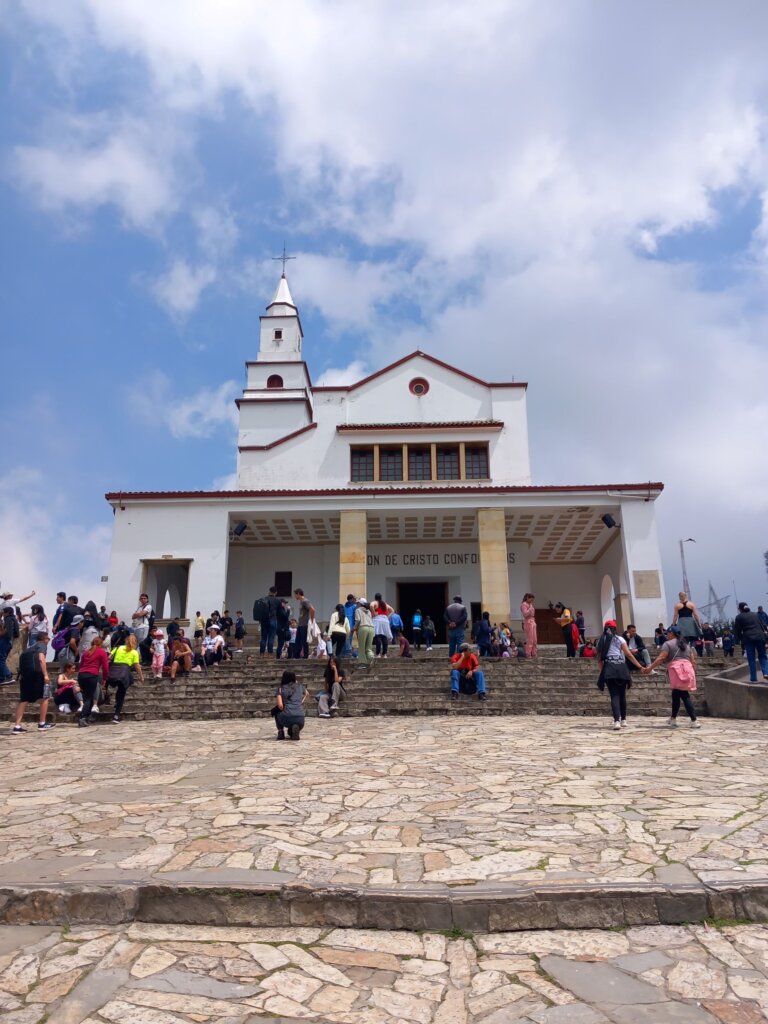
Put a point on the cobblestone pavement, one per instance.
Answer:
(164, 974)
(383, 801)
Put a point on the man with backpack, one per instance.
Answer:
(265, 613)
(9, 631)
(466, 676)
(34, 683)
(283, 620)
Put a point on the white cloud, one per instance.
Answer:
(198, 414)
(334, 377)
(46, 547)
(509, 164)
(92, 164)
(180, 288)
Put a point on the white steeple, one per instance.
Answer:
(281, 333)
(282, 303)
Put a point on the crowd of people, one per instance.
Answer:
(97, 654)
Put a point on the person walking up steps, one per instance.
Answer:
(613, 654)
(34, 683)
(679, 659)
(364, 632)
(749, 631)
(528, 612)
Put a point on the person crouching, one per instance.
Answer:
(466, 676)
(289, 713)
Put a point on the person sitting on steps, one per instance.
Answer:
(466, 676)
(329, 697)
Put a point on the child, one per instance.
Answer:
(292, 627)
(239, 632)
(729, 643)
(320, 649)
(159, 653)
(68, 697)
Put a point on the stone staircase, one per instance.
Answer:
(244, 688)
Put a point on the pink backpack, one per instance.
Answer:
(682, 674)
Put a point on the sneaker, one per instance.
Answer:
(281, 735)
(623, 723)
(295, 732)
(616, 726)
(672, 722)
(334, 707)
(322, 715)
(696, 724)
(196, 668)
(18, 728)
(454, 695)
(82, 723)
(116, 719)
(482, 696)
(95, 709)
(45, 726)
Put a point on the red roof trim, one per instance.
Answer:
(649, 488)
(267, 447)
(431, 359)
(344, 428)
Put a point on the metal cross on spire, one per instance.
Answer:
(284, 258)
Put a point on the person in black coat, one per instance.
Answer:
(748, 629)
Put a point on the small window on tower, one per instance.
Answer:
(274, 381)
(278, 335)
(448, 463)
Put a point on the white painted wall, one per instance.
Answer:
(641, 552)
(577, 586)
(315, 569)
(194, 530)
(323, 454)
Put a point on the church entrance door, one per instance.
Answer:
(430, 598)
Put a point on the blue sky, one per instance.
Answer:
(534, 190)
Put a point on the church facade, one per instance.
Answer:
(414, 482)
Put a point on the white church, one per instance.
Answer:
(414, 482)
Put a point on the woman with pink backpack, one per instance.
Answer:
(679, 658)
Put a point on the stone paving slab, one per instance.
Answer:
(174, 974)
(457, 805)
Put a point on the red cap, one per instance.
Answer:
(612, 623)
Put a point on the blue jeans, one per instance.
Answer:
(755, 652)
(268, 634)
(477, 675)
(455, 640)
(6, 643)
(301, 647)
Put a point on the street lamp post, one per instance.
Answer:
(686, 584)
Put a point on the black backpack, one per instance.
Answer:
(467, 685)
(283, 616)
(29, 663)
(260, 609)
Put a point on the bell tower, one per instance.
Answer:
(277, 398)
(280, 328)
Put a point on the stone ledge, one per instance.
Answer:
(416, 908)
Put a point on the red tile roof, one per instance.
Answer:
(343, 428)
(651, 489)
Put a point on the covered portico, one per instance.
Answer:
(491, 546)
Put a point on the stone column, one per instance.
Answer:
(623, 619)
(353, 554)
(494, 571)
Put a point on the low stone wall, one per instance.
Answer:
(731, 695)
